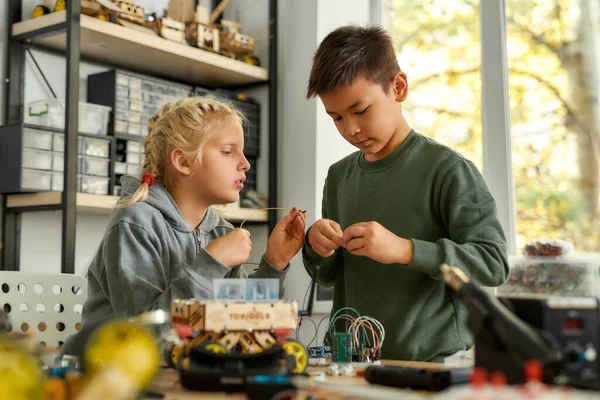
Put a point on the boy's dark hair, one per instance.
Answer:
(350, 52)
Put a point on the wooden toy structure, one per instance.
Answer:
(246, 327)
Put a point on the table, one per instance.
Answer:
(352, 387)
(167, 382)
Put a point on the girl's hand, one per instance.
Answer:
(286, 240)
(232, 249)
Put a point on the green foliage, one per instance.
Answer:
(439, 47)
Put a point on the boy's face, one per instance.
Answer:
(367, 116)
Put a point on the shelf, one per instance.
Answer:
(129, 48)
(103, 205)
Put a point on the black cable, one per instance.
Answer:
(42, 73)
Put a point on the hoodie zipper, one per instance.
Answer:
(198, 243)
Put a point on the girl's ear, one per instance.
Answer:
(180, 162)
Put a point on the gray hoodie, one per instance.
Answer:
(150, 256)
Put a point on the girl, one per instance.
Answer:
(164, 240)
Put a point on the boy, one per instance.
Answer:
(394, 211)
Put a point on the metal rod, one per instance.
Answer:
(69, 196)
(41, 73)
(11, 238)
(273, 164)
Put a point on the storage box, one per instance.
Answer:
(93, 118)
(37, 159)
(37, 139)
(571, 275)
(86, 165)
(85, 146)
(36, 180)
(85, 183)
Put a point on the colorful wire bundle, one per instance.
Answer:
(363, 328)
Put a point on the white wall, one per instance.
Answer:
(308, 140)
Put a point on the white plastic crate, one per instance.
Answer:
(94, 166)
(133, 146)
(120, 168)
(37, 159)
(37, 139)
(134, 169)
(570, 275)
(93, 118)
(85, 183)
(86, 165)
(94, 184)
(85, 146)
(35, 180)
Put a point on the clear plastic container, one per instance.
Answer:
(94, 184)
(36, 139)
(86, 146)
(85, 184)
(134, 158)
(121, 126)
(122, 91)
(94, 166)
(136, 129)
(571, 275)
(37, 159)
(135, 82)
(133, 169)
(86, 165)
(134, 146)
(35, 180)
(120, 168)
(93, 118)
(122, 79)
(135, 94)
(136, 105)
(121, 104)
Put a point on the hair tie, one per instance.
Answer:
(148, 179)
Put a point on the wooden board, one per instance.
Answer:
(129, 48)
(221, 316)
(96, 204)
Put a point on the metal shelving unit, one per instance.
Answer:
(78, 36)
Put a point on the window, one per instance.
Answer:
(553, 83)
(439, 47)
(553, 94)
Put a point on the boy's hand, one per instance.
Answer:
(325, 236)
(231, 249)
(286, 239)
(372, 240)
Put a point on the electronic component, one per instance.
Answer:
(342, 347)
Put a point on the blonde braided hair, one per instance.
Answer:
(185, 124)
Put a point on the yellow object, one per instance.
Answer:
(60, 5)
(124, 351)
(176, 351)
(20, 376)
(299, 352)
(56, 389)
(39, 11)
(217, 348)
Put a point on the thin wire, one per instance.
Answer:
(263, 209)
(310, 283)
(41, 72)
(319, 326)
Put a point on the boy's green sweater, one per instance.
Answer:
(433, 196)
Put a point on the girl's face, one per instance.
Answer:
(220, 175)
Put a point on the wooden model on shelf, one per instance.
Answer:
(233, 40)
